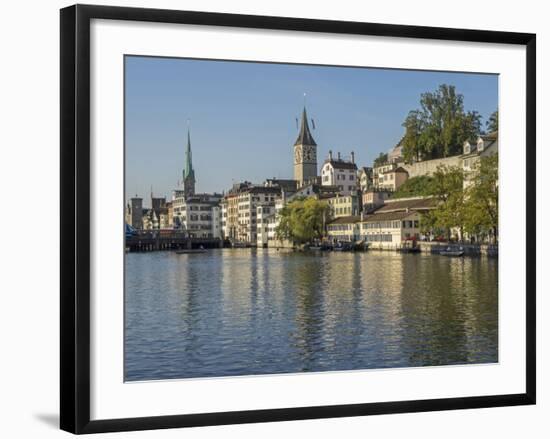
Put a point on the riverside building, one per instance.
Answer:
(340, 173)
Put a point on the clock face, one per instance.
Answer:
(309, 154)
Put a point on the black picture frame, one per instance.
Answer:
(75, 217)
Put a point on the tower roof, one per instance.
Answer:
(304, 136)
(188, 170)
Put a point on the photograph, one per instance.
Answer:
(293, 218)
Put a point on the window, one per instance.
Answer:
(379, 238)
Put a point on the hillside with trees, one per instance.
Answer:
(440, 126)
(472, 210)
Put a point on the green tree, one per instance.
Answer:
(492, 123)
(414, 125)
(447, 187)
(481, 207)
(419, 186)
(303, 220)
(382, 159)
(440, 126)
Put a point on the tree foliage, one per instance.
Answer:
(382, 159)
(492, 123)
(440, 126)
(468, 208)
(481, 209)
(447, 187)
(303, 220)
(420, 186)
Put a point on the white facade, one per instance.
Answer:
(345, 229)
(378, 173)
(343, 205)
(383, 231)
(364, 179)
(485, 146)
(265, 221)
(340, 173)
(198, 215)
(390, 230)
(248, 202)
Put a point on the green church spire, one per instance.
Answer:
(188, 171)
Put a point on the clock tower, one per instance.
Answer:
(305, 154)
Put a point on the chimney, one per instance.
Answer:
(330, 155)
(339, 156)
(352, 157)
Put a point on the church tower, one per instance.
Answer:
(188, 171)
(305, 154)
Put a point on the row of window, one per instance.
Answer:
(339, 200)
(379, 238)
(343, 177)
(342, 210)
(264, 209)
(350, 188)
(380, 225)
(197, 218)
(191, 207)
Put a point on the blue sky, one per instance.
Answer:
(242, 116)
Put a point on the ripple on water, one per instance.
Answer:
(242, 312)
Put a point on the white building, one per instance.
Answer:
(341, 173)
(248, 201)
(344, 205)
(486, 145)
(390, 230)
(199, 215)
(393, 179)
(364, 178)
(389, 227)
(344, 229)
(265, 224)
(379, 171)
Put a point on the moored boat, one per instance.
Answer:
(342, 247)
(190, 251)
(450, 252)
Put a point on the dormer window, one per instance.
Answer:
(467, 147)
(480, 144)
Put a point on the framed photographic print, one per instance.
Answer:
(268, 218)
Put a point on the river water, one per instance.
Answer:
(246, 311)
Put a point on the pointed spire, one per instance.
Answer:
(304, 136)
(188, 171)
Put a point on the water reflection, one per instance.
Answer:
(242, 311)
